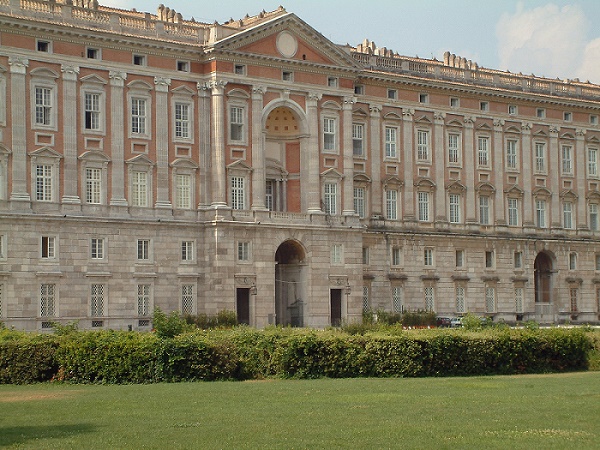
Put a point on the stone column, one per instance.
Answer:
(438, 154)
(18, 119)
(498, 170)
(258, 150)
(554, 176)
(348, 158)
(580, 174)
(204, 163)
(526, 159)
(313, 154)
(470, 170)
(408, 157)
(69, 111)
(219, 175)
(376, 160)
(161, 86)
(118, 125)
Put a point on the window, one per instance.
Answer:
(592, 162)
(243, 251)
(269, 195)
(512, 110)
(454, 204)
(540, 157)
(92, 53)
(48, 247)
(97, 248)
(143, 300)
(143, 249)
(454, 102)
(182, 120)
(183, 66)
(365, 299)
(43, 183)
(484, 106)
(513, 212)
(43, 46)
(518, 260)
(453, 148)
(332, 82)
(358, 130)
(2, 249)
(597, 259)
(330, 190)
(239, 69)
(568, 215)
(483, 150)
(138, 115)
(540, 213)
(423, 98)
(460, 299)
(567, 116)
(593, 119)
(359, 202)
(422, 145)
(97, 300)
(139, 189)
(47, 300)
(183, 191)
(511, 154)
(428, 257)
(359, 89)
(490, 299)
(572, 261)
(391, 136)
(365, 256)
(519, 300)
(489, 259)
(396, 256)
(593, 210)
(423, 202)
(287, 76)
(392, 94)
(92, 111)
(187, 298)
(484, 210)
(187, 250)
(573, 294)
(429, 298)
(567, 159)
(43, 105)
(540, 113)
(397, 305)
(93, 186)
(391, 204)
(139, 60)
(329, 129)
(236, 123)
(336, 256)
(459, 258)
(238, 193)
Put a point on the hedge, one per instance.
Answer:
(245, 353)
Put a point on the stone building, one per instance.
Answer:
(253, 165)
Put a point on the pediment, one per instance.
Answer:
(183, 90)
(454, 123)
(361, 178)
(423, 119)
(593, 139)
(238, 93)
(184, 163)
(392, 116)
(140, 85)
(569, 194)
(285, 37)
(45, 152)
(43, 72)
(514, 191)
(93, 79)
(456, 186)
(4, 150)
(593, 195)
(485, 187)
(330, 104)
(512, 129)
(332, 173)
(359, 112)
(94, 156)
(239, 165)
(485, 127)
(542, 192)
(140, 160)
(567, 136)
(424, 182)
(540, 133)
(392, 180)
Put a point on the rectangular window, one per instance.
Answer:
(236, 123)
(92, 53)
(540, 113)
(484, 106)
(143, 249)
(518, 260)
(43, 183)
(592, 162)
(47, 300)
(567, 159)
(243, 253)
(365, 299)
(490, 299)
(453, 148)
(567, 116)
(336, 254)
(238, 193)
(512, 110)
(423, 201)
(143, 300)
(454, 102)
(484, 210)
(396, 256)
(269, 195)
(365, 256)
(93, 186)
(138, 115)
(429, 298)
(573, 294)
(97, 248)
(287, 76)
(489, 259)
(593, 119)
(48, 250)
(597, 259)
(329, 128)
(519, 300)
(454, 203)
(593, 208)
(358, 131)
(568, 215)
(428, 257)
(332, 81)
(359, 202)
(423, 98)
(540, 213)
(239, 69)
(187, 250)
(183, 191)
(392, 94)
(397, 305)
(139, 189)
(359, 89)
(540, 157)
(391, 136)
(97, 300)
(391, 204)
(422, 145)
(187, 299)
(43, 46)
(330, 190)
(483, 149)
(2, 249)
(459, 258)
(92, 111)
(511, 154)
(460, 299)
(182, 120)
(43, 106)
(513, 212)
(139, 60)
(572, 261)
(183, 66)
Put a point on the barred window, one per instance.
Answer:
(429, 298)
(143, 299)
(97, 300)
(519, 300)
(366, 299)
(187, 298)
(460, 299)
(490, 299)
(397, 305)
(47, 300)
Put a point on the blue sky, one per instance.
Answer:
(556, 38)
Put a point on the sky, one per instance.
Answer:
(549, 38)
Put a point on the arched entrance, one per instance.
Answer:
(290, 284)
(543, 271)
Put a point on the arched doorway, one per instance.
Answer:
(543, 270)
(290, 284)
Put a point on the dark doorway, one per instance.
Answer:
(336, 307)
(543, 278)
(290, 281)
(242, 298)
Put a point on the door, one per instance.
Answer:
(243, 305)
(336, 307)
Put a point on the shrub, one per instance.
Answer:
(168, 326)
(27, 358)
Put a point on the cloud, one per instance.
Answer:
(590, 69)
(548, 41)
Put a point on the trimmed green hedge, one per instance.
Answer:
(245, 353)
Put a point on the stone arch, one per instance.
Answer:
(543, 277)
(296, 109)
(290, 283)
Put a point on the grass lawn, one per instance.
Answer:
(516, 412)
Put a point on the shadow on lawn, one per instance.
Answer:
(24, 434)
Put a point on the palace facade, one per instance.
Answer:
(253, 165)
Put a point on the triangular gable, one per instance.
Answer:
(361, 178)
(423, 119)
(140, 160)
(332, 173)
(360, 113)
(392, 116)
(454, 123)
(183, 90)
(239, 165)
(184, 163)
(93, 78)
(392, 180)
(485, 187)
(569, 194)
(512, 129)
(567, 136)
(514, 190)
(593, 139)
(484, 126)
(456, 187)
(45, 152)
(94, 156)
(540, 133)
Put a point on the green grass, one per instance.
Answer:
(534, 411)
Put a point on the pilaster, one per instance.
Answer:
(161, 86)
(375, 158)
(408, 156)
(219, 179)
(580, 157)
(554, 175)
(118, 125)
(526, 161)
(498, 167)
(469, 154)
(204, 144)
(69, 75)
(314, 154)
(258, 151)
(438, 154)
(348, 158)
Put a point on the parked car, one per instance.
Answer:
(456, 322)
(443, 322)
